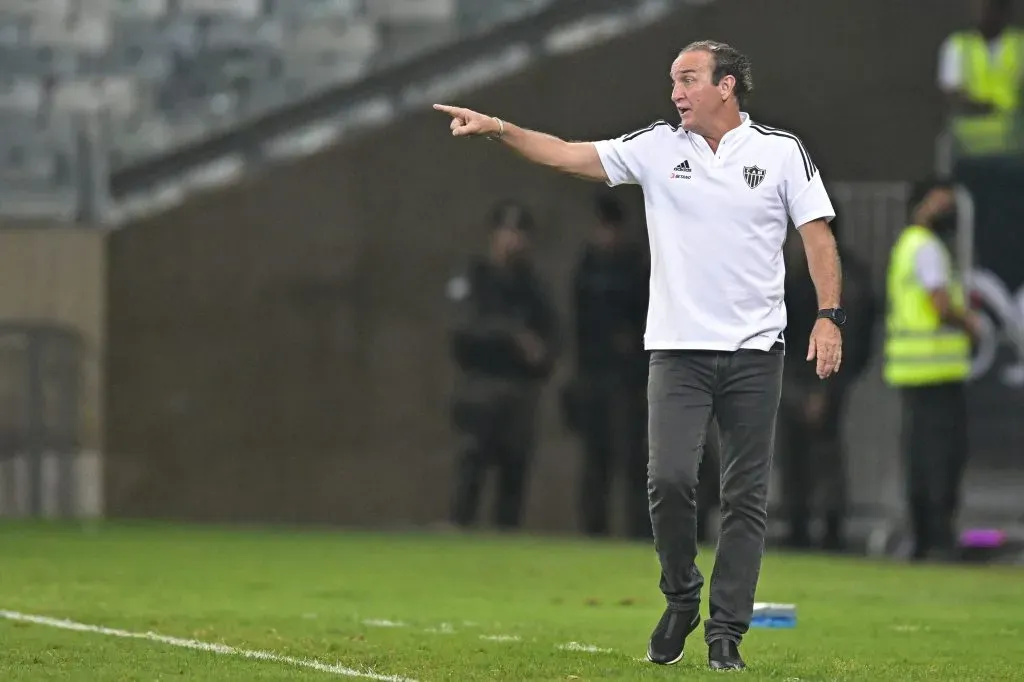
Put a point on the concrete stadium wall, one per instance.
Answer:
(277, 349)
(57, 276)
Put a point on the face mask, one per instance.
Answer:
(946, 223)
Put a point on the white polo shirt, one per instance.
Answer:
(717, 224)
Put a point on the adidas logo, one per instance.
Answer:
(681, 171)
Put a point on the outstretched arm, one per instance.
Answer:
(573, 158)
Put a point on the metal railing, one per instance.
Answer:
(489, 44)
(40, 390)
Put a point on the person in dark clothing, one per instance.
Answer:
(931, 332)
(609, 295)
(810, 418)
(504, 343)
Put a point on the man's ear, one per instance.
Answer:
(726, 86)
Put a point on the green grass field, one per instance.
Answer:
(464, 608)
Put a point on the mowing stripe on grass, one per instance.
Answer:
(201, 646)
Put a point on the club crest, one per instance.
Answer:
(753, 175)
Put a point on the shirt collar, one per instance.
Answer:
(741, 129)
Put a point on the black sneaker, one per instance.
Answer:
(668, 638)
(723, 654)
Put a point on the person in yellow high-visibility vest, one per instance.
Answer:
(981, 72)
(929, 329)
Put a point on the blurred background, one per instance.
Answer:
(238, 246)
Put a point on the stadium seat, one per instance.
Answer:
(162, 73)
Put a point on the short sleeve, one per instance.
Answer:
(805, 194)
(950, 74)
(624, 158)
(930, 266)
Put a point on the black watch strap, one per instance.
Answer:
(837, 315)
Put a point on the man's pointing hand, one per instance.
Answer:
(469, 123)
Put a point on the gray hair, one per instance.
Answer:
(728, 62)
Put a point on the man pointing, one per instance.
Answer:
(719, 192)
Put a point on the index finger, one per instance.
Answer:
(453, 111)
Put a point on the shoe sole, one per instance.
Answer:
(672, 662)
(693, 626)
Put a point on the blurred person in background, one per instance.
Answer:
(928, 358)
(809, 435)
(981, 73)
(609, 391)
(606, 401)
(504, 343)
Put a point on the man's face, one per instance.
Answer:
(945, 221)
(697, 99)
(939, 202)
(509, 244)
(937, 210)
(606, 236)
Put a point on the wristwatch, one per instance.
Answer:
(837, 315)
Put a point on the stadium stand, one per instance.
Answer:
(130, 79)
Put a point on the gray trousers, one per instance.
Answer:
(685, 390)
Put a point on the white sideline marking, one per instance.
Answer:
(201, 646)
(383, 623)
(586, 648)
(500, 638)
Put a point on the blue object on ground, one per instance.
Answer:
(768, 615)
